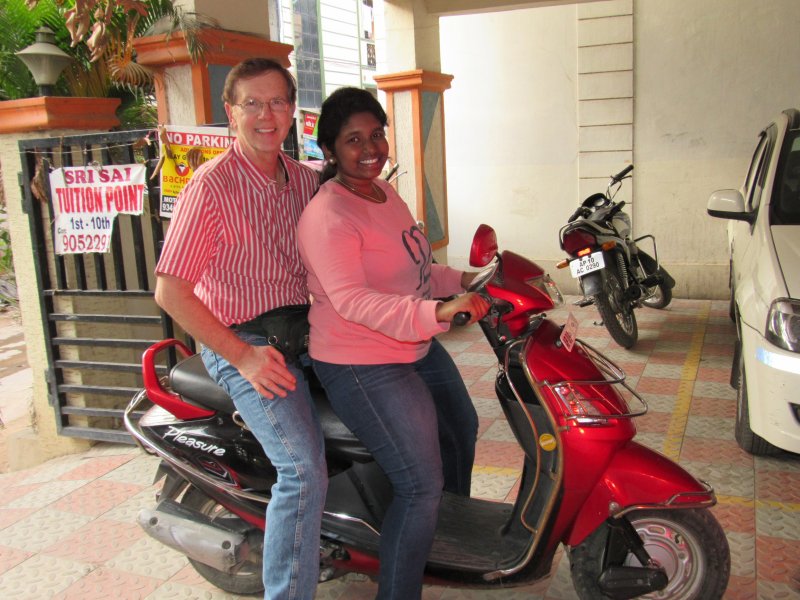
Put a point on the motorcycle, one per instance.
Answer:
(634, 522)
(614, 273)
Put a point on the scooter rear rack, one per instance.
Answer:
(613, 375)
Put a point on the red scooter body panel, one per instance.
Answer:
(601, 462)
(637, 476)
(587, 449)
(156, 392)
(516, 289)
(551, 363)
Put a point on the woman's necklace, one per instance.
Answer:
(377, 196)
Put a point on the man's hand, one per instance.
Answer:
(265, 368)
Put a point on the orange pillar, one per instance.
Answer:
(415, 106)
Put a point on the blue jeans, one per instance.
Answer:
(393, 409)
(289, 431)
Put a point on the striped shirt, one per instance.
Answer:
(233, 234)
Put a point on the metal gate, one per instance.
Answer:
(98, 309)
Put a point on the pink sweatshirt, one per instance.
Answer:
(371, 278)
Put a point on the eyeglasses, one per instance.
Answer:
(252, 107)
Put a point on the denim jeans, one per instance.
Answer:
(289, 431)
(393, 408)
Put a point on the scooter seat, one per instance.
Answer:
(190, 379)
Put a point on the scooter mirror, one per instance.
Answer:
(484, 246)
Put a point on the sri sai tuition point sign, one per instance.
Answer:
(87, 200)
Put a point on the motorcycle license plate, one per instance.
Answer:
(586, 264)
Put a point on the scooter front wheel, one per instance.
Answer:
(248, 578)
(688, 544)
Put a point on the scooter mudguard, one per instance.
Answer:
(638, 477)
(592, 283)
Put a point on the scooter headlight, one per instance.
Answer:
(552, 290)
(544, 283)
(783, 324)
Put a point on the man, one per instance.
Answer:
(231, 255)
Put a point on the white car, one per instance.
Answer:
(764, 237)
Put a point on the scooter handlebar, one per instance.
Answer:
(578, 212)
(461, 318)
(621, 175)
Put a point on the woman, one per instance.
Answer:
(373, 319)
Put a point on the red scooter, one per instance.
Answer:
(634, 522)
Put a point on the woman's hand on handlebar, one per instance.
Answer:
(474, 304)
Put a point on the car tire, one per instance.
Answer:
(748, 440)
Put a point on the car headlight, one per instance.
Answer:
(783, 324)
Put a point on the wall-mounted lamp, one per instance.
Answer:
(44, 60)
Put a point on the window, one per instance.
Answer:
(786, 203)
(754, 184)
(307, 54)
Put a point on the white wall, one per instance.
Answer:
(511, 131)
(707, 76)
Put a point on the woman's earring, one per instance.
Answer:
(332, 161)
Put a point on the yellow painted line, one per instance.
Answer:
(749, 502)
(736, 501)
(503, 471)
(683, 401)
(784, 506)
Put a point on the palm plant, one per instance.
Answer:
(98, 35)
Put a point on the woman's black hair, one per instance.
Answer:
(336, 111)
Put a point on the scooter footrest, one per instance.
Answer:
(622, 583)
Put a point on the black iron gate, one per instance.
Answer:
(98, 309)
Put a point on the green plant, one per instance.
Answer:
(6, 258)
(8, 289)
(98, 35)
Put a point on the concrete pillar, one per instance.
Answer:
(605, 95)
(415, 105)
(412, 36)
(414, 91)
(27, 119)
(245, 16)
